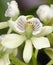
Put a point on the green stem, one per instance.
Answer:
(9, 31)
(50, 63)
(15, 61)
(36, 53)
(34, 57)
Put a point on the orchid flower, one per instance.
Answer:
(45, 13)
(30, 30)
(12, 10)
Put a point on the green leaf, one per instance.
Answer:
(50, 37)
(16, 61)
(50, 2)
(49, 52)
(2, 53)
(34, 60)
(3, 31)
(34, 57)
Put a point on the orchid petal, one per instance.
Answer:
(41, 42)
(12, 40)
(3, 25)
(43, 12)
(37, 25)
(45, 31)
(18, 25)
(27, 53)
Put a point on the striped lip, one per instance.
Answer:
(22, 23)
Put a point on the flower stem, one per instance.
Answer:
(34, 57)
(50, 63)
(36, 53)
(9, 31)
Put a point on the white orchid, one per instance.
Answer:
(12, 9)
(45, 12)
(28, 28)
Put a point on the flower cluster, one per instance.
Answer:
(27, 29)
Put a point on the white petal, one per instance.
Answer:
(45, 31)
(18, 25)
(27, 53)
(50, 14)
(5, 60)
(12, 10)
(1, 62)
(41, 42)
(3, 25)
(12, 40)
(43, 12)
(37, 25)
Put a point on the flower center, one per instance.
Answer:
(29, 25)
(29, 29)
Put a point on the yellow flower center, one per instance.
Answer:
(29, 25)
(29, 29)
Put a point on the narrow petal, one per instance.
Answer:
(12, 40)
(27, 53)
(37, 25)
(41, 42)
(45, 31)
(3, 25)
